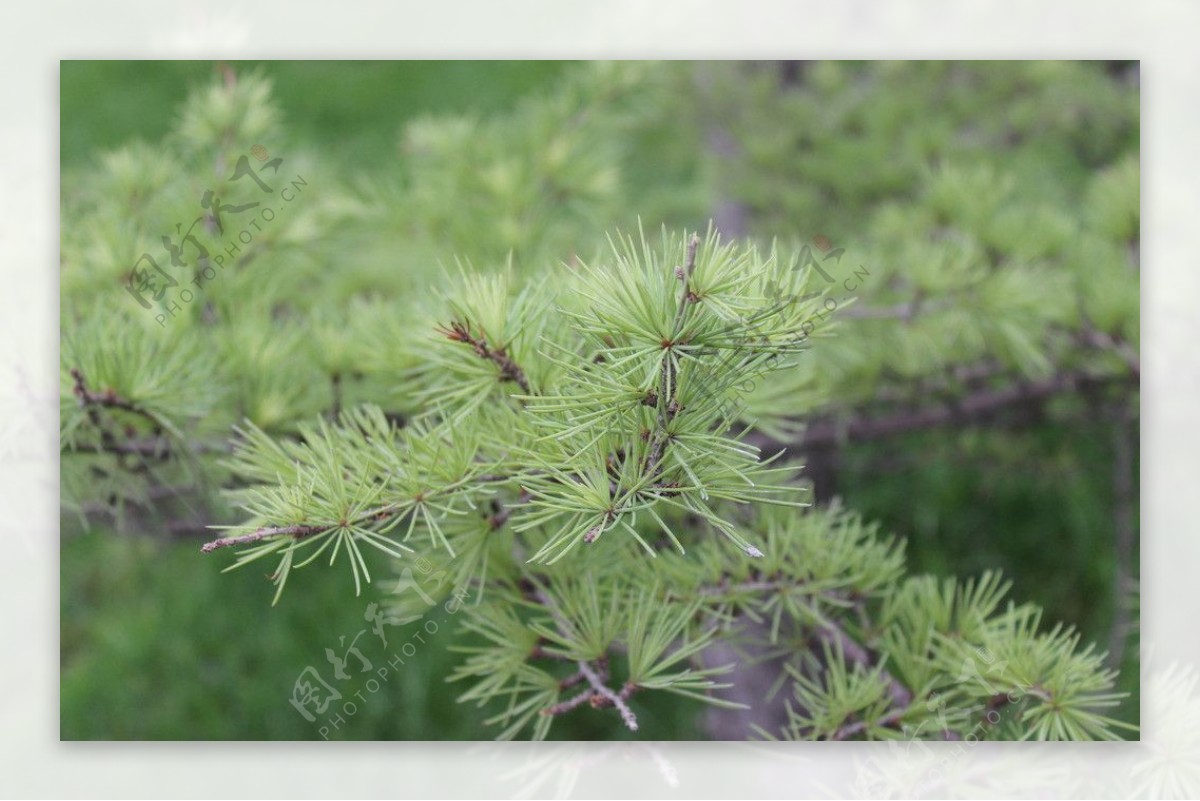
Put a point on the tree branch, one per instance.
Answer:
(974, 406)
(509, 369)
(684, 274)
(600, 694)
(108, 399)
(852, 651)
(150, 446)
(606, 692)
(562, 707)
(904, 312)
(1102, 341)
(857, 654)
(668, 406)
(296, 531)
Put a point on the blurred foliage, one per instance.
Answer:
(1010, 190)
(354, 108)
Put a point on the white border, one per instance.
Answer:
(34, 763)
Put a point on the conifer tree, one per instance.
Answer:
(485, 364)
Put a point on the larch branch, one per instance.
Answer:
(509, 369)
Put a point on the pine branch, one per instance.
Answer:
(296, 531)
(746, 587)
(684, 274)
(562, 707)
(502, 512)
(668, 406)
(852, 651)
(109, 399)
(123, 444)
(335, 388)
(509, 369)
(581, 454)
(603, 691)
(857, 654)
(154, 448)
(600, 694)
(903, 312)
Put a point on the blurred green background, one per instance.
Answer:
(157, 644)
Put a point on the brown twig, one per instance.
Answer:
(857, 654)
(296, 531)
(501, 512)
(335, 388)
(509, 369)
(684, 274)
(746, 586)
(600, 694)
(108, 399)
(121, 444)
(904, 312)
(854, 653)
(605, 692)
(574, 701)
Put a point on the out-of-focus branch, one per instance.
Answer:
(108, 399)
(152, 447)
(971, 408)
